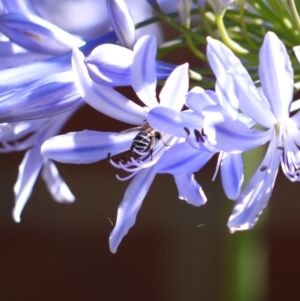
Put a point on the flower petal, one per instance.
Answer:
(257, 193)
(27, 74)
(232, 174)
(49, 96)
(29, 170)
(222, 60)
(276, 75)
(130, 206)
(229, 135)
(104, 98)
(121, 22)
(197, 99)
(37, 34)
(110, 64)
(172, 122)
(55, 184)
(86, 146)
(143, 74)
(173, 94)
(189, 190)
(182, 158)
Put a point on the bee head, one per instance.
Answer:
(158, 135)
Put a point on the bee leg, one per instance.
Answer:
(108, 156)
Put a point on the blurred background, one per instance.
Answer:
(174, 251)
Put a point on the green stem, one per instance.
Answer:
(226, 39)
(294, 13)
(244, 28)
(206, 23)
(245, 269)
(194, 49)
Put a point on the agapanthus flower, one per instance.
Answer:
(22, 25)
(269, 108)
(89, 146)
(195, 152)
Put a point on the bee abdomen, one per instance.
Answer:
(142, 141)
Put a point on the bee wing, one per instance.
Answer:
(145, 127)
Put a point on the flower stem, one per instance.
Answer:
(226, 39)
(294, 13)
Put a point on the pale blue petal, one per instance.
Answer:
(232, 174)
(174, 92)
(143, 74)
(276, 75)
(19, 6)
(251, 102)
(49, 96)
(27, 74)
(228, 97)
(197, 99)
(32, 163)
(104, 98)
(110, 64)
(229, 135)
(189, 190)
(257, 193)
(86, 146)
(121, 22)
(130, 206)
(182, 158)
(29, 170)
(37, 34)
(56, 185)
(172, 122)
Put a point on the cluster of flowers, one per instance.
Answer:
(47, 74)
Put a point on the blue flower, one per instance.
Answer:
(194, 153)
(17, 136)
(270, 108)
(88, 146)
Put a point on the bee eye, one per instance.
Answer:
(158, 135)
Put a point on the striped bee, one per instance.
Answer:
(144, 141)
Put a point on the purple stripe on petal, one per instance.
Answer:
(143, 74)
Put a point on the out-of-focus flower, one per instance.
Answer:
(121, 22)
(220, 6)
(184, 11)
(30, 135)
(83, 147)
(269, 108)
(22, 26)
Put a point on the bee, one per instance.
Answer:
(143, 142)
(145, 139)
